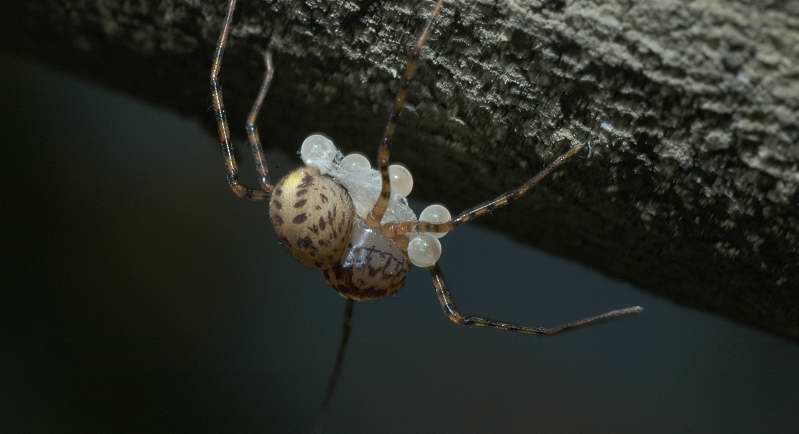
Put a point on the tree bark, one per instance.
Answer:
(691, 110)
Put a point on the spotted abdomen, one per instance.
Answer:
(312, 216)
(372, 267)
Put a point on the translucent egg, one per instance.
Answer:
(436, 214)
(318, 150)
(401, 179)
(424, 250)
(355, 162)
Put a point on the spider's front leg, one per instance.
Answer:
(451, 311)
(398, 229)
(375, 216)
(228, 152)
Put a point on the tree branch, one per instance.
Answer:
(691, 111)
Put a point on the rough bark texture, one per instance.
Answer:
(691, 109)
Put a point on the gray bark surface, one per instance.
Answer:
(691, 190)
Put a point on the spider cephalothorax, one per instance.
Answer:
(373, 266)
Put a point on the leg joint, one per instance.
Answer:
(458, 319)
(239, 190)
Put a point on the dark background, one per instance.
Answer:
(142, 297)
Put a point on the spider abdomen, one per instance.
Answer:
(312, 216)
(372, 267)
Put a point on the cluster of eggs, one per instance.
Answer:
(363, 183)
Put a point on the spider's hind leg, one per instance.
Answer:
(336, 373)
(451, 310)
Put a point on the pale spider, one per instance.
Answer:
(323, 212)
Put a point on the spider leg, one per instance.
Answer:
(376, 214)
(228, 153)
(334, 375)
(451, 311)
(396, 229)
(252, 129)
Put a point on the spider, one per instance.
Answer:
(352, 222)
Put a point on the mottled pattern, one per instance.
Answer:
(373, 266)
(312, 216)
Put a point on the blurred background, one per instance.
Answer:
(142, 297)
